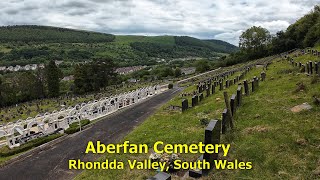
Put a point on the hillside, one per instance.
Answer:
(281, 144)
(36, 44)
(46, 34)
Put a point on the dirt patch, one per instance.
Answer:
(300, 87)
(301, 142)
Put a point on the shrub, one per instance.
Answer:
(74, 127)
(6, 151)
(170, 86)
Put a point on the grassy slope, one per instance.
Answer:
(126, 39)
(288, 148)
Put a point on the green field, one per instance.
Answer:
(280, 144)
(126, 39)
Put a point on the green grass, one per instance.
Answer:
(126, 39)
(279, 143)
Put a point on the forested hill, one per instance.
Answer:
(177, 46)
(21, 45)
(224, 46)
(46, 34)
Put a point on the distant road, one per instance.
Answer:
(52, 163)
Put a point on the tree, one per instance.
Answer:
(1, 98)
(202, 65)
(177, 72)
(53, 75)
(255, 40)
(95, 75)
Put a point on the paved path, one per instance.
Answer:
(52, 163)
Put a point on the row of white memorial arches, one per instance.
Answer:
(49, 123)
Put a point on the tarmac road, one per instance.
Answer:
(52, 163)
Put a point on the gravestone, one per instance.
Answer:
(213, 88)
(253, 85)
(194, 100)
(200, 96)
(239, 96)
(246, 87)
(256, 82)
(212, 136)
(196, 173)
(161, 176)
(310, 67)
(185, 104)
(208, 91)
(221, 85)
(316, 67)
(203, 87)
(303, 68)
(225, 121)
(199, 89)
(227, 83)
(263, 76)
(233, 104)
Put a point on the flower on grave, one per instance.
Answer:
(154, 157)
(174, 157)
(165, 157)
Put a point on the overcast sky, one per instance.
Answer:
(206, 19)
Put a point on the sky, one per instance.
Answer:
(205, 19)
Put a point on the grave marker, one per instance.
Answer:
(225, 121)
(185, 105)
(246, 87)
(252, 85)
(194, 100)
(208, 91)
(310, 67)
(233, 104)
(201, 97)
(213, 89)
(212, 136)
(161, 176)
(226, 100)
(239, 96)
(263, 76)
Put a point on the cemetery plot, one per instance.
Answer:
(23, 131)
(265, 131)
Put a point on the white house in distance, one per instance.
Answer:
(28, 67)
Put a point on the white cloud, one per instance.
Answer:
(224, 20)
